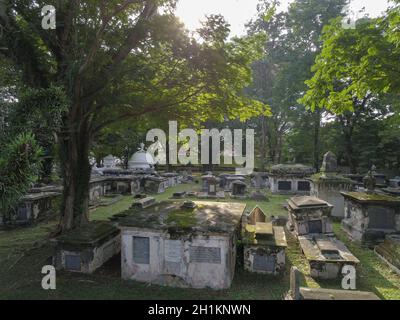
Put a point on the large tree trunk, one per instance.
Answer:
(74, 154)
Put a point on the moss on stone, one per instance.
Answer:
(371, 197)
(182, 218)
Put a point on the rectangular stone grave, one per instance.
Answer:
(309, 215)
(87, 248)
(326, 256)
(144, 203)
(284, 185)
(141, 250)
(369, 217)
(263, 244)
(188, 245)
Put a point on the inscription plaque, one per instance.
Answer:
(141, 250)
(264, 263)
(303, 186)
(381, 218)
(73, 262)
(315, 226)
(205, 255)
(173, 251)
(284, 185)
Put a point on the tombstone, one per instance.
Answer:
(309, 215)
(295, 275)
(144, 203)
(238, 189)
(181, 246)
(263, 244)
(87, 248)
(259, 180)
(328, 185)
(394, 183)
(109, 162)
(230, 179)
(155, 185)
(369, 217)
(329, 164)
(290, 179)
(212, 185)
(326, 256)
(32, 207)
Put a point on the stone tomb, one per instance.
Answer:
(172, 179)
(210, 188)
(184, 245)
(239, 190)
(144, 203)
(263, 244)
(326, 256)
(394, 183)
(231, 179)
(369, 217)
(87, 248)
(309, 215)
(290, 179)
(33, 205)
(302, 293)
(155, 185)
(328, 185)
(389, 252)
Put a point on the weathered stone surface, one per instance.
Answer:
(87, 248)
(263, 243)
(329, 164)
(326, 256)
(369, 217)
(187, 247)
(308, 215)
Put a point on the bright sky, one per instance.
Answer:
(239, 12)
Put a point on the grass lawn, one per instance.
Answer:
(23, 252)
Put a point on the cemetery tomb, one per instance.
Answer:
(87, 248)
(369, 217)
(389, 252)
(185, 245)
(309, 215)
(394, 183)
(171, 177)
(109, 162)
(263, 244)
(290, 179)
(32, 206)
(144, 203)
(210, 185)
(141, 161)
(259, 180)
(303, 293)
(238, 189)
(230, 179)
(328, 185)
(326, 256)
(155, 185)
